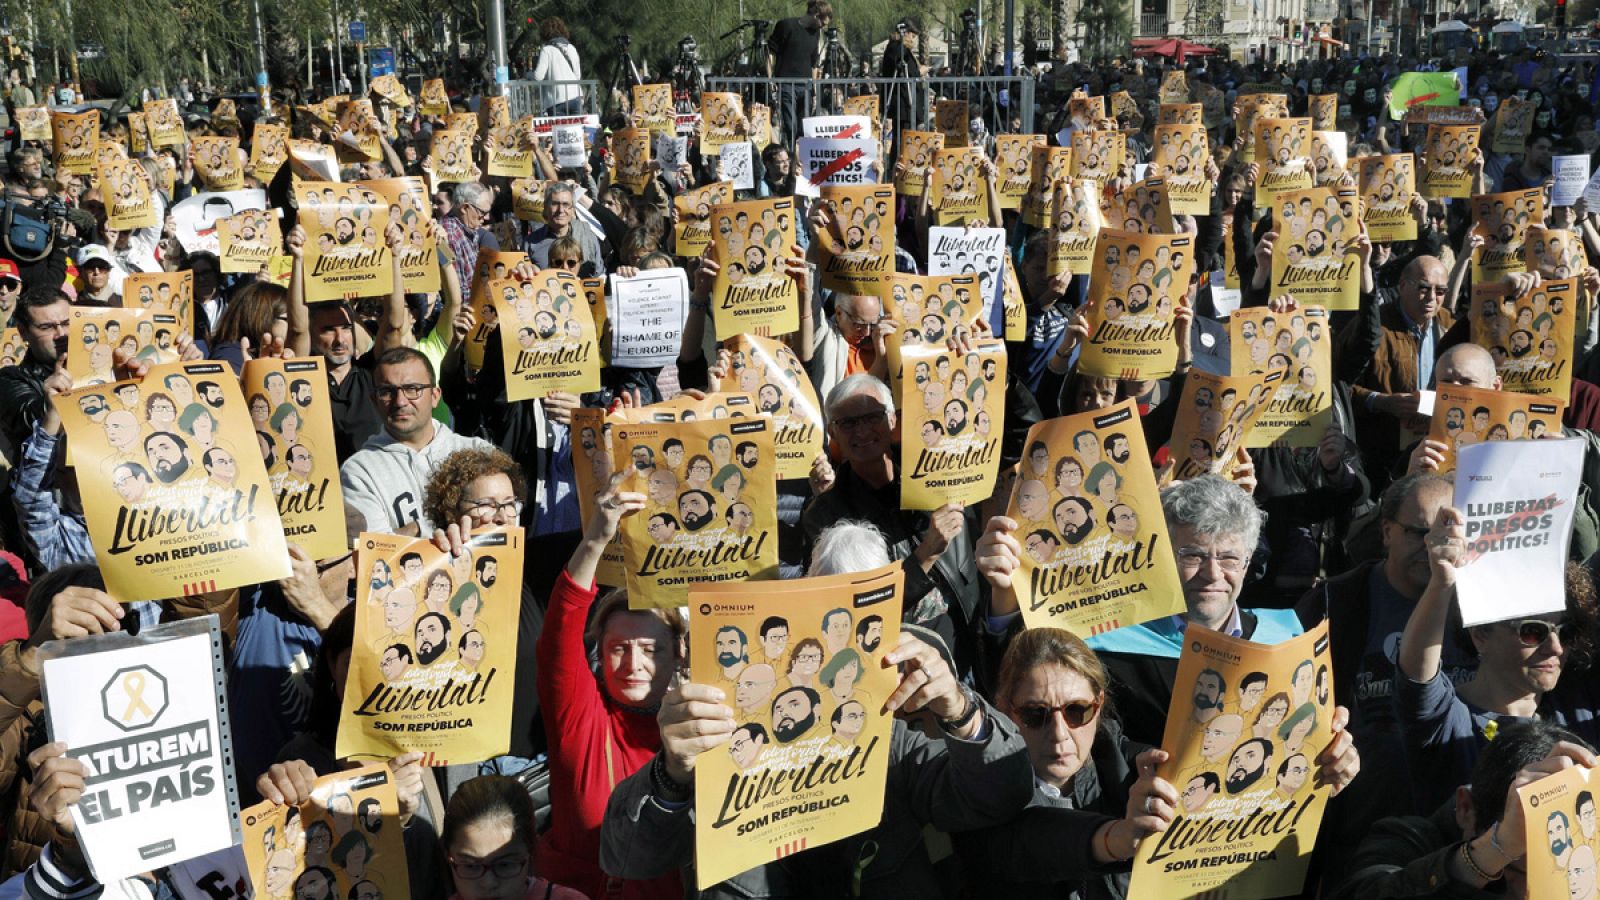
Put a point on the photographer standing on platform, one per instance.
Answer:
(900, 61)
(796, 48)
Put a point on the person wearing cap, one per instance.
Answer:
(10, 291)
(96, 268)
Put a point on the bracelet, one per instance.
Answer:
(665, 786)
(1105, 842)
(1472, 865)
(961, 721)
(1494, 841)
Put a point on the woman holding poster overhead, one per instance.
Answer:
(600, 731)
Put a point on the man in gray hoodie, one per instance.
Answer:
(386, 479)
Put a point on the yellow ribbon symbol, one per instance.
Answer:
(133, 687)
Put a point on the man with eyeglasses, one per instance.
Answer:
(561, 220)
(387, 478)
(852, 342)
(467, 227)
(1407, 335)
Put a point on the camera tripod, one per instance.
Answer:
(624, 75)
(756, 60)
(835, 64)
(688, 82)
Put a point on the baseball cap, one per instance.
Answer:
(8, 269)
(94, 253)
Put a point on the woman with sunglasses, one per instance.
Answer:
(1096, 793)
(1520, 664)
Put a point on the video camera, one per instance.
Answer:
(689, 49)
(624, 41)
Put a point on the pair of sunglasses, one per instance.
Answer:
(1035, 716)
(1533, 632)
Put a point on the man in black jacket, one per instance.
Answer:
(43, 317)
(796, 48)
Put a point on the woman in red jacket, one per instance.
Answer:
(601, 729)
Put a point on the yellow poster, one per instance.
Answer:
(507, 151)
(653, 110)
(592, 467)
(1124, 109)
(1141, 208)
(771, 373)
(631, 147)
(711, 512)
(1324, 111)
(164, 123)
(952, 422)
(1285, 149)
(110, 151)
(865, 105)
(693, 234)
(345, 253)
(1243, 760)
(358, 131)
(1174, 87)
(802, 665)
(293, 418)
(958, 192)
(549, 342)
(1086, 111)
(309, 160)
(173, 511)
(1230, 265)
(1013, 306)
(125, 189)
(77, 140)
(1553, 252)
(916, 151)
(493, 265)
(98, 333)
(269, 150)
(1299, 343)
(1216, 415)
(162, 291)
(432, 632)
(594, 293)
(754, 293)
(1314, 258)
(494, 112)
(138, 133)
(1075, 224)
(389, 88)
(462, 121)
(1047, 167)
(1447, 158)
(1558, 811)
(249, 240)
(1139, 280)
(219, 163)
(1014, 158)
(1180, 114)
(13, 349)
(857, 247)
(527, 199)
(1503, 220)
(1328, 157)
(435, 100)
(1181, 153)
(1530, 336)
(450, 158)
(410, 208)
(1098, 155)
(346, 842)
(1513, 122)
(760, 126)
(1252, 107)
(1096, 556)
(950, 119)
(927, 311)
(1464, 415)
(1387, 185)
(722, 120)
(33, 123)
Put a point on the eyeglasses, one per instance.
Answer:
(409, 391)
(1534, 632)
(485, 509)
(861, 323)
(1191, 559)
(564, 263)
(505, 867)
(1035, 716)
(478, 209)
(865, 420)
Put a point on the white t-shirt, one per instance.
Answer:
(558, 62)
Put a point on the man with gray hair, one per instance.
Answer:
(850, 342)
(560, 220)
(935, 549)
(1213, 525)
(467, 227)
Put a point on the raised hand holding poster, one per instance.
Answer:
(953, 408)
(346, 842)
(434, 658)
(808, 701)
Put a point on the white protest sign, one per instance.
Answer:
(1223, 298)
(196, 218)
(646, 314)
(961, 251)
(570, 152)
(836, 127)
(1518, 498)
(834, 161)
(147, 715)
(738, 166)
(1591, 192)
(1571, 177)
(671, 151)
(547, 124)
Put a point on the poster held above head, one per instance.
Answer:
(952, 119)
(196, 217)
(450, 159)
(1387, 185)
(1181, 153)
(694, 217)
(1448, 159)
(857, 246)
(1284, 150)
(834, 162)
(293, 418)
(845, 127)
(1502, 220)
(952, 424)
(218, 163)
(927, 311)
(1216, 416)
(269, 150)
(435, 648)
(147, 716)
(652, 108)
(1076, 223)
(1014, 160)
(249, 240)
(126, 190)
(631, 148)
(980, 252)
(164, 123)
(958, 191)
(348, 837)
(722, 120)
(1464, 415)
(1315, 258)
(548, 340)
(77, 140)
(411, 209)
(753, 241)
(916, 152)
(1139, 282)
(647, 313)
(771, 373)
(1530, 336)
(1099, 155)
(434, 99)
(345, 253)
(97, 334)
(736, 165)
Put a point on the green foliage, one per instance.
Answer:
(1108, 27)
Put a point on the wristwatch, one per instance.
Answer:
(961, 721)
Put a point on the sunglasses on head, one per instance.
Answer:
(1035, 716)
(1534, 632)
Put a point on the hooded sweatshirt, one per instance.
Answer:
(386, 480)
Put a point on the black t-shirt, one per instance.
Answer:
(794, 47)
(355, 417)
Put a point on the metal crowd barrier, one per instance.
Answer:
(533, 98)
(909, 101)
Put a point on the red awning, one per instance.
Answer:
(1175, 48)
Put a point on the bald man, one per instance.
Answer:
(1402, 343)
(849, 342)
